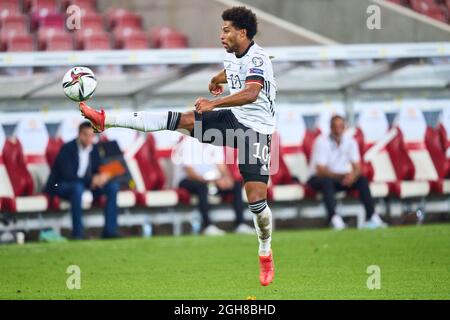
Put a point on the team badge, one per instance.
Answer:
(257, 61)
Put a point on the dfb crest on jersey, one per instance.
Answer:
(257, 61)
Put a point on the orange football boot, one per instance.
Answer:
(266, 269)
(97, 118)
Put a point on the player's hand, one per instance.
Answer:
(203, 105)
(216, 89)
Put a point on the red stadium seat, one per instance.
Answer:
(149, 176)
(90, 40)
(372, 135)
(53, 147)
(136, 40)
(130, 38)
(92, 20)
(23, 198)
(438, 13)
(59, 42)
(92, 26)
(46, 18)
(19, 42)
(422, 6)
(417, 164)
(50, 39)
(16, 22)
(167, 38)
(283, 186)
(86, 6)
(174, 41)
(40, 5)
(52, 20)
(123, 18)
(10, 26)
(9, 7)
(431, 9)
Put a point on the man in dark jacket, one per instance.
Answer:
(76, 169)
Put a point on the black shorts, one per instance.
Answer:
(221, 128)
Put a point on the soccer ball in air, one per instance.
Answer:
(79, 83)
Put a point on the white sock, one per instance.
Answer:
(263, 226)
(144, 120)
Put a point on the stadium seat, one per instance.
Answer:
(51, 39)
(438, 143)
(372, 128)
(289, 167)
(133, 38)
(68, 128)
(91, 40)
(387, 154)
(14, 23)
(52, 20)
(164, 37)
(92, 20)
(42, 9)
(9, 7)
(38, 5)
(122, 18)
(19, 42)
(10, 26)
(410, 156)
(431, 9)
(124, 137)
(148, 174)
(283, 185)
(135, 41)
(33, 136)
(53, 147)
(5, 186)
(18, 195)
(86, 6)
(59, 42)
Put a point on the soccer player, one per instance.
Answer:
(245, 119)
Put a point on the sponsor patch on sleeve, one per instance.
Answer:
(256, 71)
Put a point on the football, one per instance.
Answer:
(79, 83)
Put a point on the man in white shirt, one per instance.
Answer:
(201, 169)
(335, 166)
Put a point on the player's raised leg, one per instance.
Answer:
(143, 120)
(262, 217)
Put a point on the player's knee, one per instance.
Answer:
(256, 195)
(187, 121)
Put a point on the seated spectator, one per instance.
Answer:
(76, 169)
(335, 166)
(201, 170)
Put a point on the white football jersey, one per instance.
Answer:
(253, 67)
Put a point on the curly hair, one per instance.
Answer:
(242, 18)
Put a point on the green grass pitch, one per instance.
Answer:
(320, 264)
